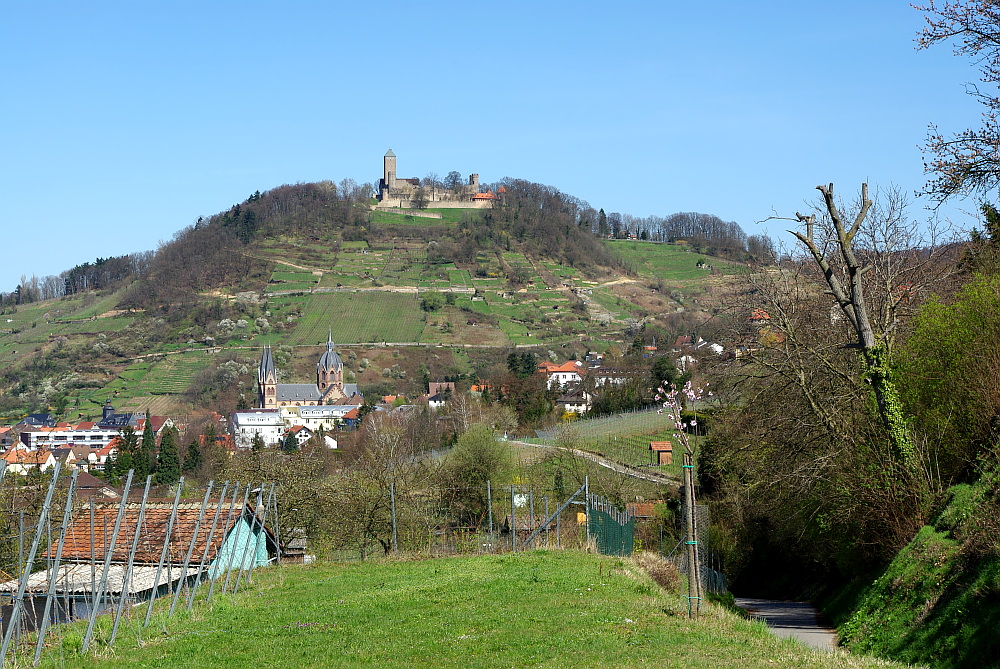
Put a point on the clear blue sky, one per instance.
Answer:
(122, 122)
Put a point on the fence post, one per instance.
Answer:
(127, 578)
(277, 532)
(187, 558)
(546, 521)
(513, 522)
(586, 506)
(531, 511)
(164, 552)
(99, 593)
(225, 529)
(392, 502)
(489, 509)
(18, 604)
(208, 545)
(54, 573)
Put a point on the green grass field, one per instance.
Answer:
(535, 609)
(359, 317)
(666, 261)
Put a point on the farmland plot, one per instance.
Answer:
(360, 317)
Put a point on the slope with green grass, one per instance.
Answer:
(939, 599)
(538, 609)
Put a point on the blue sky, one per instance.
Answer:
(121, 123)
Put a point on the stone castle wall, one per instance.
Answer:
(404, 203)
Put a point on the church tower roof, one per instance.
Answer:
(329, 360)
(390, 154)
(266, 368)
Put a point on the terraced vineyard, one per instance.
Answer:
(173, 374)
(359, 317)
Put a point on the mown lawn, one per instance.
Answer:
(537, 609)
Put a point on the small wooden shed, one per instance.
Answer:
(663, 452)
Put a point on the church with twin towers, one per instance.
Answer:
(329, 389)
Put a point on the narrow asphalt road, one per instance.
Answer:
(798, 620)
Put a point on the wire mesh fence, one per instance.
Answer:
(713, 580)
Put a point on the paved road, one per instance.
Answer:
(798, 620)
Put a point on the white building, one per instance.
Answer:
(315, 417)
(265, 422)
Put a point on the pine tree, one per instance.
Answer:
(128, 450)
(290, 444)
(192, 459)
(257, 443)
(168, 465)
(147, 448)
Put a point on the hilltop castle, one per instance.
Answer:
(396, 192)
(329, 388)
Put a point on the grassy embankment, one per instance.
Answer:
(937, 602)
(548, 609)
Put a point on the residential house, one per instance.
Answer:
(575, 400)
(560, 375)
(22, 461)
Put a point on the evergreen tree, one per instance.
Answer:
(168, 465)
(128, 449)
(290, 444)
(146, 458)
(192, 459)
(257, 443)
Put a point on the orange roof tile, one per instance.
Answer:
(80, 544)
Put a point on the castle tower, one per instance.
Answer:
(474, 182)
(330, 372)
(267, 381)
(389, 169)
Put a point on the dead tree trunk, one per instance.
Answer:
(847, 287)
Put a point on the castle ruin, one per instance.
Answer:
(394, 192)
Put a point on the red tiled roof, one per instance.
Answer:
(568, 366)
(20, 456)
(79, 539)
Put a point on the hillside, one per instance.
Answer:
(288, 266)
(550, 609)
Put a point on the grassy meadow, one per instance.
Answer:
(535, 609)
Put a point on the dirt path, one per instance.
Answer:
(796, 620)
(607, 463)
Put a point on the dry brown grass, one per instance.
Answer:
(665, 573)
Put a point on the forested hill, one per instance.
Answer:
(534, 219)
(218, 252)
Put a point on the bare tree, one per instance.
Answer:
(968, 162)
(875, 264)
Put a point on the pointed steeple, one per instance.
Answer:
(329, 361)
(265, 371)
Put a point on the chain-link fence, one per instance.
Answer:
(712, 578)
